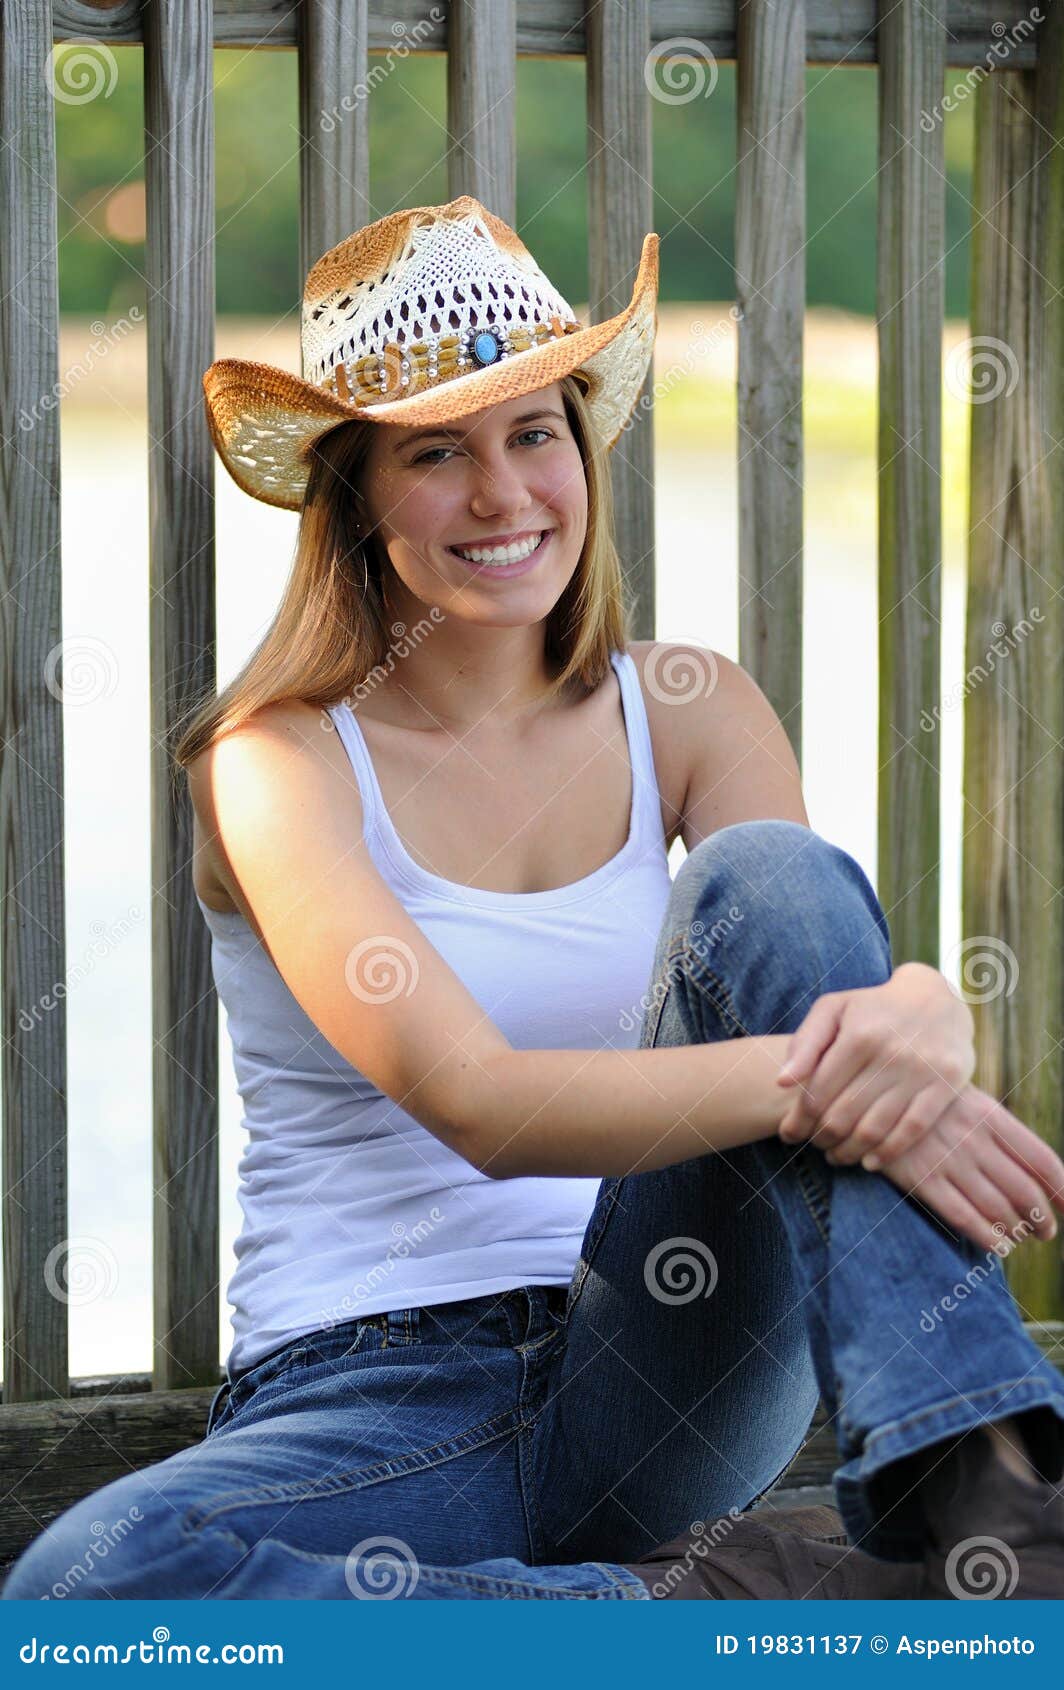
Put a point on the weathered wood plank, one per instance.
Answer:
(335, 88)
(770, 297)
(1012, 961)
(910, 301)
(53, 1454)
(838, 31)
(33, 941)
(481, 99)
(179, 176)
(620, 212)
(106, 1384)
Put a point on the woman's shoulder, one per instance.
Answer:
(724, 732)
(659, 667)
(285, 753)
(687, 685)
(681, 681)
(691, 693)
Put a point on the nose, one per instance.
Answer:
(499, 487)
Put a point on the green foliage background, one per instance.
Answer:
(101, 149)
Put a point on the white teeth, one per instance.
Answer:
(499, 554)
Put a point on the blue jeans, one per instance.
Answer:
(526, 1444)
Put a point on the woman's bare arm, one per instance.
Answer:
(604, 1112)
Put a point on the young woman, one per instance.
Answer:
(542, 1266)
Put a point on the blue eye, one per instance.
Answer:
(428, 456)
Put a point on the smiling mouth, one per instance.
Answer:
(523, 554)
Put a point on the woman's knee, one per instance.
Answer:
(763, 849)
(781, 872)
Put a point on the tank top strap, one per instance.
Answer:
(345, 722)
(646, 817)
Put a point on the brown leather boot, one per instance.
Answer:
(783, 1553)
(993, 1535)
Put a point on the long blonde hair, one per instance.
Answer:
(331, 636)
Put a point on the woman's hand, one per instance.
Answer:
(877, 1065)
(984, 1172)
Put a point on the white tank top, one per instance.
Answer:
(350, 1206)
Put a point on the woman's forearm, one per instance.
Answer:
(606, 1112)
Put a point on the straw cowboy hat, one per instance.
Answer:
(423, 317)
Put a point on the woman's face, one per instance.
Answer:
(505, 476)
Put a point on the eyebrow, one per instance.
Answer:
(449, 433)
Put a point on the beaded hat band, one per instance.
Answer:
(426, 316)
(426, 363)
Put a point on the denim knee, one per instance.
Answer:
(785, 868)
(768, 907)
(760, 851)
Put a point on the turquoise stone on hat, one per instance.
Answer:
(485, 348)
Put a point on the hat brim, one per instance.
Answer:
(262, 418)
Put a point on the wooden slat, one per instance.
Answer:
(770, 295)
(839, 31)
(620, 212)
(334, 101)
(1013, 909)
(31, 759)
(179, 174)
(910, 297)
(51, 1454)
(481, 64)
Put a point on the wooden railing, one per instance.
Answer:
(1014, 774)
